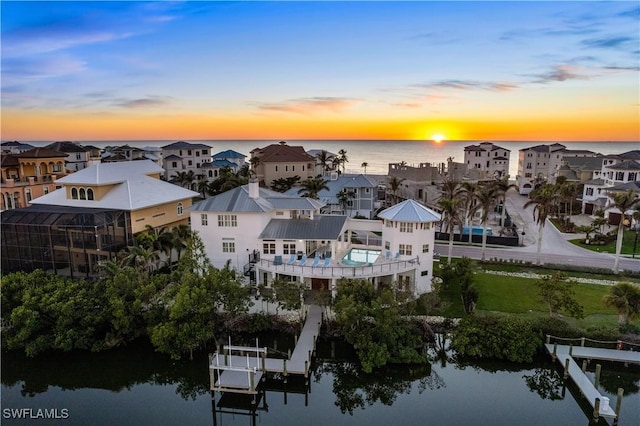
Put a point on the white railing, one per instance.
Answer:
(335, 270)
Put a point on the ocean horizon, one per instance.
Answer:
(376, 153)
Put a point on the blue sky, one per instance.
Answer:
(95, 70)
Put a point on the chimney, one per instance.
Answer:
(254, 188)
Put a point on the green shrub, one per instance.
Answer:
(507, 338)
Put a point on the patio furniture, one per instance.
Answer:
(291, 259)
(326, 262)
(277, 260)
(303, 261)
(316, 260)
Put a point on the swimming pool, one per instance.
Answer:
(360, 257)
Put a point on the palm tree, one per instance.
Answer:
(503, 186)
(323, 159)
(394, 185)
(311, 187)
(364, 165)
(145, 258)
(343, 158)
(623, 201)
(451, 217)
(625, 297)
(486, 199)
(344, 196)
(203, 188)
(467, 201)
(180, 237)
(599, 221)
(184, 179)
(543, 199)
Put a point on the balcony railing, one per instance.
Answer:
(337, 270)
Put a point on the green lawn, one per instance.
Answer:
(628, 241)
(519, 296)
(546, 271)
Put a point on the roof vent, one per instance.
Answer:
(334, 176)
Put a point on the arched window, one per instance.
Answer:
(179, 209)
(74, 193)
(210, 173)
(83, 194)
(215, 173)
(89, 194)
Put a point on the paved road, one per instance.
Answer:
(555, 247)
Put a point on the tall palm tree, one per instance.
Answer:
(323, 159)
(467, 202)
(344, 196)
(543, 199)
(394, 185)
(364, 165)
(203, 188)
(180, 237)
(145, 258)
(451, 217)
(625, 297)
(502, 186)
(342, 155)
(311, 187)
(184, 179)
(485, 201)
(623, 201)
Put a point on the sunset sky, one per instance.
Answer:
(543, 70)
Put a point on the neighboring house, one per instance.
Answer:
(233, 157)
(538, 164)
(29, 175)
(362, 198)
(489, 158)
(116, 154)
(613, 214)
(266, 234)
(580, 169)
(78, 157)
(153, 153)
(280, 160)
(420, 183)
(184, 157)
(15, 147)
(96, 212)
(615, 172)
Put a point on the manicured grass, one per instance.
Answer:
(628, 239)
(546, 271)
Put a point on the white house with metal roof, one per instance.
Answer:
(266, 234)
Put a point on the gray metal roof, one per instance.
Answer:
(330, 196)
(410, 211)
(321, 227)
(237, 200)
(597, 181)
(625, 165)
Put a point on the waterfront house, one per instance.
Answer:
(183, 156)
(29, 175)
(96, 212)
(491, 159)
(537, 165)
(78, 157)
(266, 234)
(277, 161)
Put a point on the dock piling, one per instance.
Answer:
(548, 339)
(566, 368)
(571, 349)
(619, 402)
(598, 369)
(555, 350)
(584, 365)
(596, 409)
(582, 342)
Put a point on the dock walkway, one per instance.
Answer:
(565, 354)
(241, 373)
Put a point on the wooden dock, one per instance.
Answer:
(240, 368)
(565, 355)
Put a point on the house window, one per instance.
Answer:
(619, 175)
(74, 193)
(269, 247)
(303, 167)
(293, 168)
(388, 223)
(46, 190)
(57, 167)
(276, 168)
(425, 248)
(210, 173)
(589, 191)
(197, 153)
(387, 245)
(405, 249)
(27, 194)
(83, 194)
(179, 209)
(632, 177)
(528, 165)
(204, 152)
(204, 220)
(227, 220)
(190, 163)
(228, 246)
(188, 152)
(289, 248)
(89, 194)
(406, 227)
(367, 190)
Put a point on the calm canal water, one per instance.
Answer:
(136, 386)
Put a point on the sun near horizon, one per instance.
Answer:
(438, 138)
